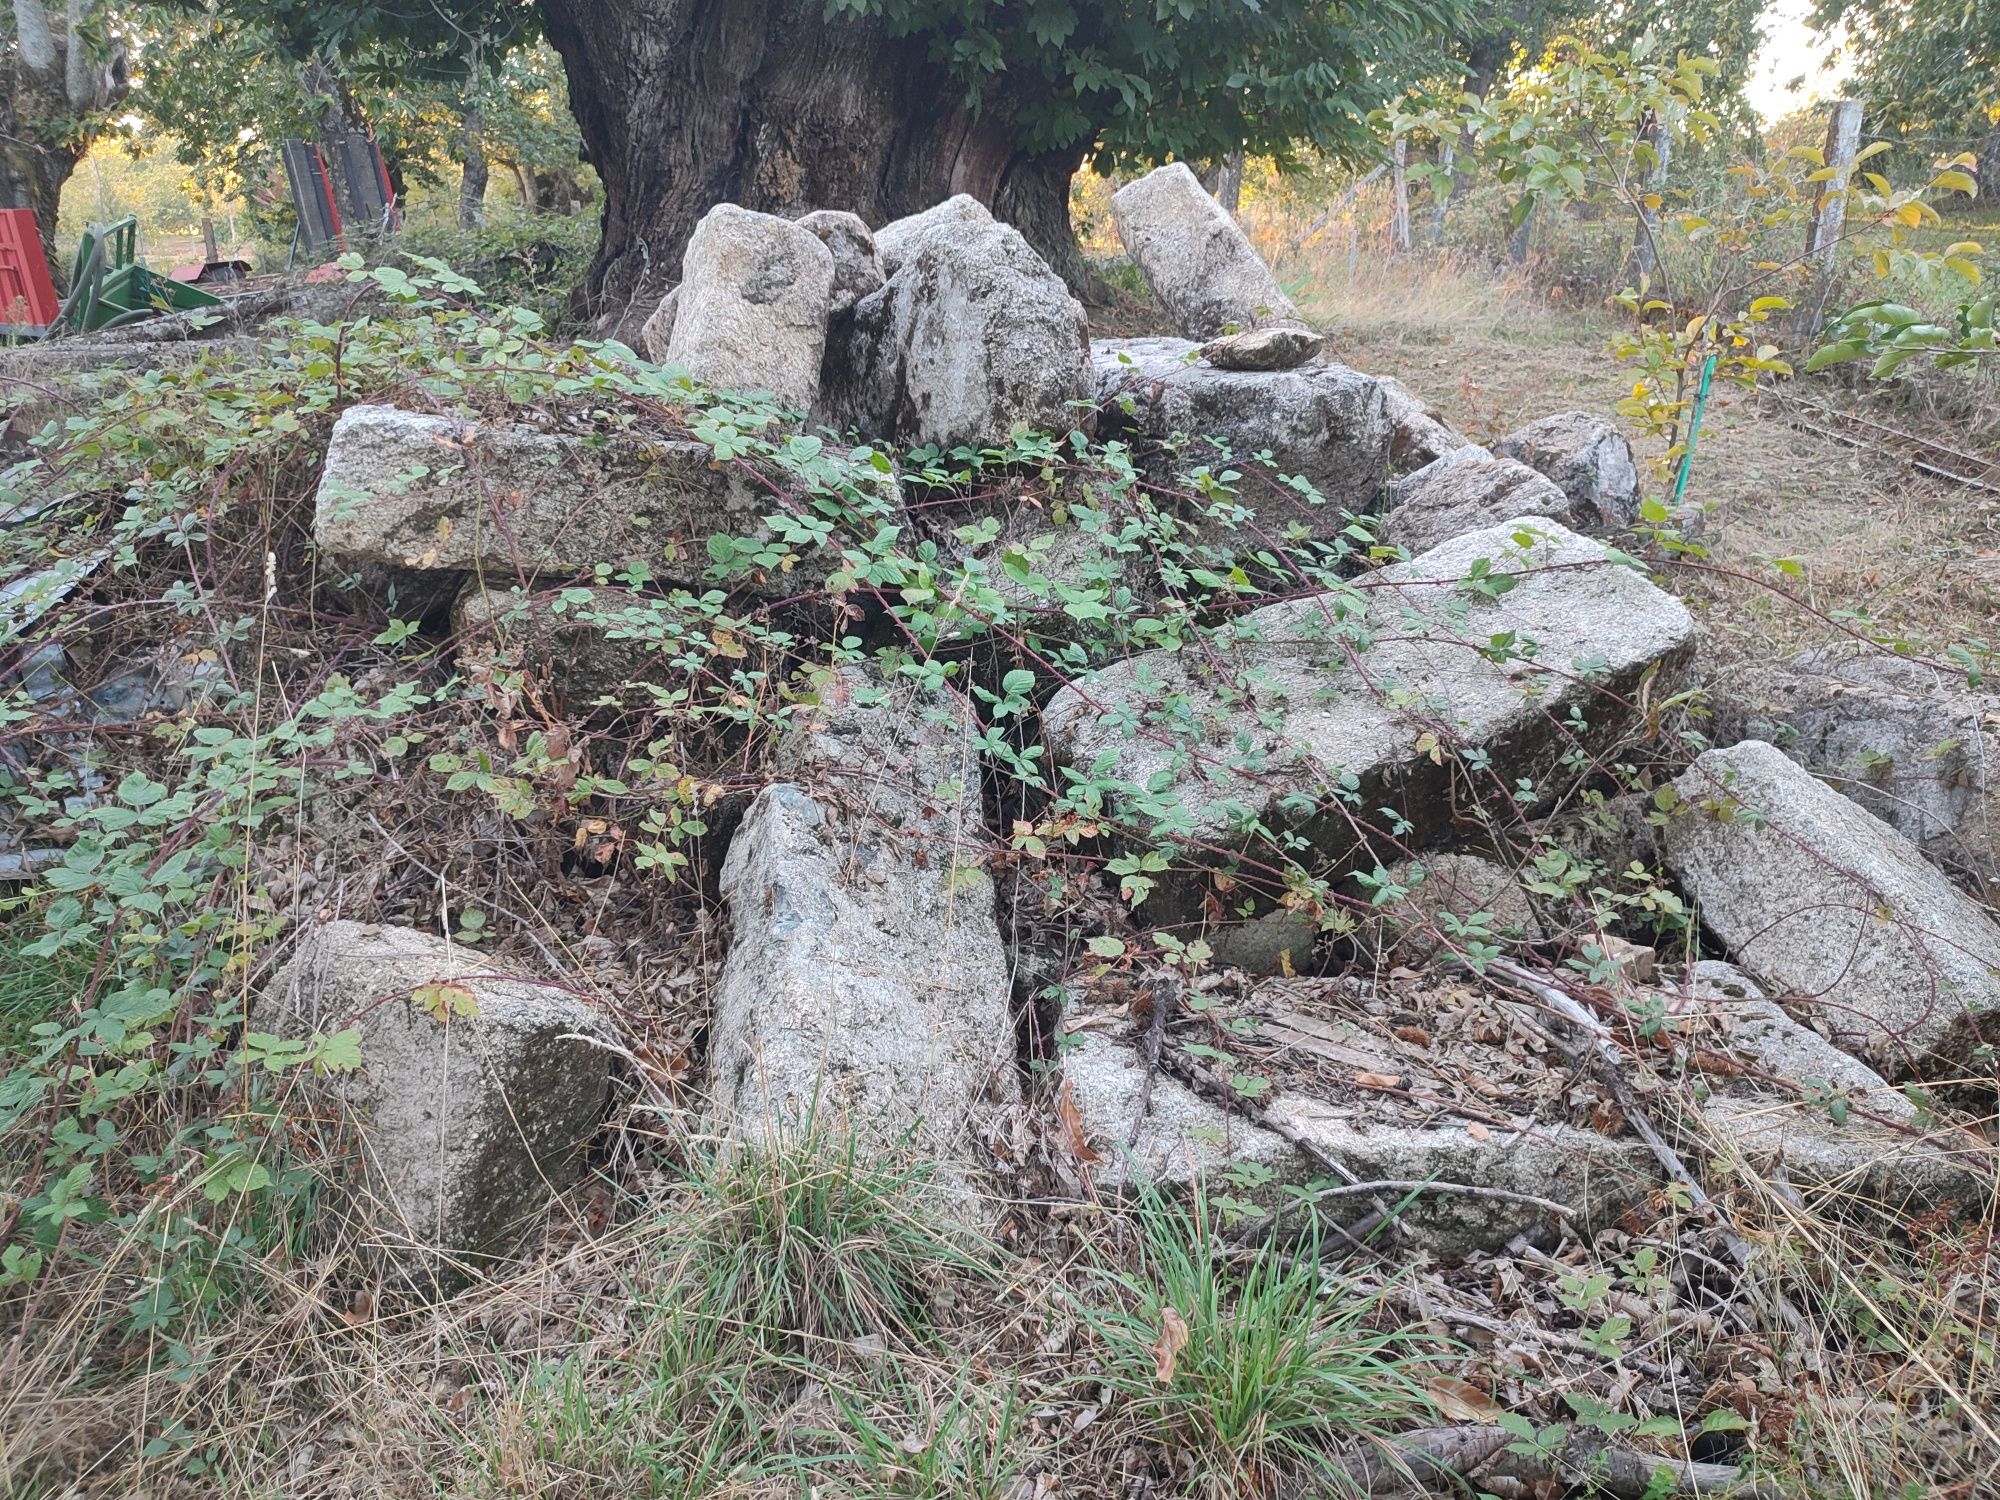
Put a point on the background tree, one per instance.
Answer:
(887, 106)
(1930, 71)
(62, 69)
(230, 80)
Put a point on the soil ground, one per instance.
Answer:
(1918, 554)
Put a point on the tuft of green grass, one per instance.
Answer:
(822, 1242)
(911, 1440)
(1247, 1369)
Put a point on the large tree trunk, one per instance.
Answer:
(1989, 165)
(50, 97)
(770, 104)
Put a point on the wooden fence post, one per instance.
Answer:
(1829, 216)
(1399, 204)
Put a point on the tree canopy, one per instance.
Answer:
(1142, 81)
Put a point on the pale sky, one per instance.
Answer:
(1789, 52)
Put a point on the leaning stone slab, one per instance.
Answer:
(409, 490)
(866, 988)
(750, 312)
(471, 1102)
(971, 336)
(1466, 490)
(1320, 709)
(1814, 896)
(1588, 457)
(1909, 742)
(1193, 256)
(1322, 423)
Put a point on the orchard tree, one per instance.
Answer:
(63, 68)
(1930, 71)
(885, 107)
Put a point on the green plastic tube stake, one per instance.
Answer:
(1694, 428)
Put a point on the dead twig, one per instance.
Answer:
(1166, 999)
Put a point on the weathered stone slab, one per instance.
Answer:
(468, 1122)
(971, 336)
(1322, 423)
(750, 312)
(1297, 722)
(1912, 744)
(1466, 490)
(1185, 1140)
(1816, 897)
(866, 984)
(1587, 457)
(425, 492)
(1194, 257)
(1280, 346)
(1804, 1108)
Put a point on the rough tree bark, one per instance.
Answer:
(473, 172)
(684, 104)
(1989, 165)
(49, 91)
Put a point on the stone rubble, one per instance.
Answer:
(1466, 490)
(1322, 423)
(1909, 742)
(970, 337)
(1587, 457)
(1417, 434)
(751, 310)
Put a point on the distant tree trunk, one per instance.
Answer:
(1229, 191)
(1482, 70)
(777, 106)
(473, 171)
(1652, 179)
(49, 92)
(1989, 165)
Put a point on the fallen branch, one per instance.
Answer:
(1442, 1459)
(1601, 1053)
(1522, 1329)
